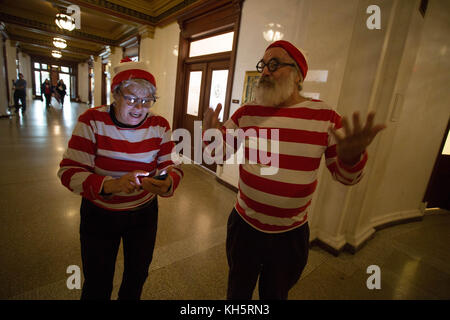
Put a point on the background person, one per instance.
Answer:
(61, 90)
(47, 90)
(20, 93)
(268, 232)
(113, 153)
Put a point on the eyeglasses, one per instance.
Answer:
(133, 101)
(273, 65)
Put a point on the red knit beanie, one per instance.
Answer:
(294, 53)
(128, 69)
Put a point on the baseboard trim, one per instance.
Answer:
(396, 218)
(323, 245)
(333, 245)
(354, 244)
(226, 184)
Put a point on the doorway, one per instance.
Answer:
(206, 59)
(206, 86)
(437, 194)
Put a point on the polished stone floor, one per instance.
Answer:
(39, 223)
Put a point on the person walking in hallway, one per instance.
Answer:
(112, 160)
(267, 231)
(20, 93)
(61, 90)
(47, 90)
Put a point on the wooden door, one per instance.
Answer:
(205, 86)
(438, 190)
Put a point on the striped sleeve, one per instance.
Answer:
(347, 175)
(167, 156)
(76, 170)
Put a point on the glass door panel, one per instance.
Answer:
(37, 82)
(193, 103)
(218, 90)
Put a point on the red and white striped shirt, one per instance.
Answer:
(99, 150)
(279, 202)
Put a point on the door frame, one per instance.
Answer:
(435, 173)
(211, 18)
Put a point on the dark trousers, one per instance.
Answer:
(23, 100)
(101, 232)
(48, 99)
(277, 258)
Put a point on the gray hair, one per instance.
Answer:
(300, 83)
(140, 84)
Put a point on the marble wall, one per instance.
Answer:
(83, 81)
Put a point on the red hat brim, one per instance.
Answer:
(132, 74)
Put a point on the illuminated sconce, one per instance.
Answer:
(273, 32)
(56, 54)
(175, 50)
(65, 21)
(59, 43)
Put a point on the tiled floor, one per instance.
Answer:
(39, 223)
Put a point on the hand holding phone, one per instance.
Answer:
(159, 184)
(162, 176)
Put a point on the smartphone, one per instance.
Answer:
(161, 176)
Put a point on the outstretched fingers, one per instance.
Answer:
(356, 123)
(217, 111)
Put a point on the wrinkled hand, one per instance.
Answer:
(156, 186)
(352, 144)
(127, 183)
(211, 118)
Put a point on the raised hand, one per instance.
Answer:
(352, 143)
(211, 118)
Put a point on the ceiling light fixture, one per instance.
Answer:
(56, 54)
(273, 32)
(59, 43)
(65, 21)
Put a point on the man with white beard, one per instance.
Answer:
(267, 232)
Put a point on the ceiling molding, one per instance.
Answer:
(54, 29)
(41, 56)
(123, 12)
(117, 11)
(112, 23)
(44, 43)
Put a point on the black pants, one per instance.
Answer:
(23, 100)
(48, 99)
(277, 258)
(100, 233)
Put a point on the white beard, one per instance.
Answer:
(273, 93)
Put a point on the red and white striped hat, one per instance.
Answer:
(128, 69)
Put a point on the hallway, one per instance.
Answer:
(39, 224)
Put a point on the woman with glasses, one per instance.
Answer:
(119, 160)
